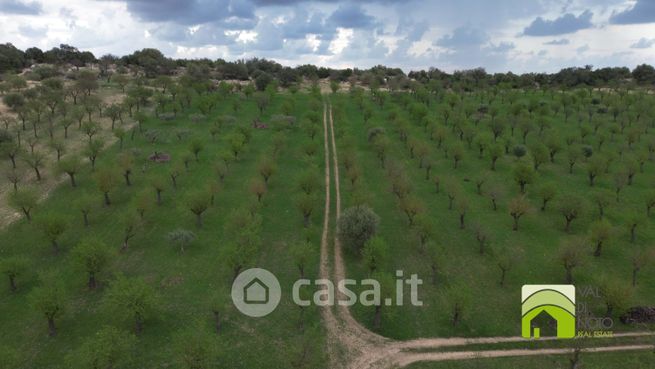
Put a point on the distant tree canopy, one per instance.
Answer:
(152, 63)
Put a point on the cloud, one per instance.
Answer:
(351, 16)
(643, 43)
(642, 12)
(502, 47)
(20, 7)
(567, 23)
(561, 41)
(302, 23)
(582, 49)
(465, 36)
(29, 31)
(192, 12)
(411, 29)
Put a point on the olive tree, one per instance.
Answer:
(48, 299)
(92, 255)
(571, 256)
(132, 298)
(181, 238)
(357, 225)
(517, 208)
(13, 267)
(24, 200)
(571, 207)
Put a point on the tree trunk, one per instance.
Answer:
(55, 247)
(199, 220)
(92, 281)
(569, 275)
(503, 272)
(515, 227)
(107, 200)
(599, 246)
(217, 321)
(86, 218)
(158, 197)
(127, 178)
(634, 276)
(72, 177)
(12, 283)
(377, 319)
(138, 324)
(52, 329)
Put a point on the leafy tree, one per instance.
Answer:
(24, 200)
(302, 253)
(159, 185)
(258, 188)
(386, 283)
(196, 147)
(523, 175)
(126, 165)
(48, 300)
(198, 202)
(92, 255)
(35, 160)
(595, 167)
(518, 207)
(13, 267)
(266, 169)
(411, 206)
(71, 166)
(306, 204)
(547, 192)
(506, 258)
(194, 348)
(92, 151)
(356, 226)
(599, 233)
(375, 254)
(539, 155)
(632, 223)
(130, 227)
(601, 199)
(53, 226)
(640, 258)
(495, 152)
(571, 207)
(571, 256)
(615, 295)
(462, 206)
(108, 348)
(181, 238)
(132, 298)
(107, 180)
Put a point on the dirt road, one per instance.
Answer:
(352, 346)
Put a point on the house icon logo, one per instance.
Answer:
(552, 302)
(256, 292)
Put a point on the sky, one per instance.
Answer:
(501, 35)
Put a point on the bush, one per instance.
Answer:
(356, 226)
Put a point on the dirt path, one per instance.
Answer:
(352, 346)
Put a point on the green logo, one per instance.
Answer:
(556, 302)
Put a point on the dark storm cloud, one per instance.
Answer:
(642, 12)
(568, 23)
(20, 7)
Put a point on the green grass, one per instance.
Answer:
(185, 282)
(489, 310)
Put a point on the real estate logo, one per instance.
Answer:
(256, 292)
(551, 301)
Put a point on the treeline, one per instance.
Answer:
(151, 63)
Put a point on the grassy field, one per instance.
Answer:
(465, 277)
(185, 282)
(188, 284)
